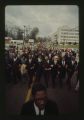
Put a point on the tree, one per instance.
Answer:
(6, 33)
(34, 33)
(19, 34)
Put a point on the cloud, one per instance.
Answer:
(46, 17)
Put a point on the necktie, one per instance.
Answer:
(63, 63)
(40, 112)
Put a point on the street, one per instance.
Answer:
(17, 94)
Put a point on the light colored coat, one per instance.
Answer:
(23, 69)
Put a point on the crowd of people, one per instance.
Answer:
(41, 62)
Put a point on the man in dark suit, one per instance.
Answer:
(16, 69)
(39, 68)
(8, 67)
(63, 62)
(73, 63)
(23, 68)
(54, 70)
(61, 71)
(40, 105)
(46, 69)
(30, 68)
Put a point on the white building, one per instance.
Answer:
(16, 42)
(66, 35)
(31, 44)
(54, 37)
(7, 41)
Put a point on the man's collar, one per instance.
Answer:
(37, 109)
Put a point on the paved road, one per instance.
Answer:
(67, 100)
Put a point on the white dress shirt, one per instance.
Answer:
(39, 60)
(72, 62)
(37, 110)
(30, 60)
(63, 63)
(55, 62)
(48, 61)
(15, 59)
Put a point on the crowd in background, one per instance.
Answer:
(46, 63)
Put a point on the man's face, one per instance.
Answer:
(30, 56)
(39, 56)
(40, 99)
(46, 58)
(23, 57)
(55, 58)
(63, 58)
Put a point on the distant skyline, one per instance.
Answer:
(46, 17)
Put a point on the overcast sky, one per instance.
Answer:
(46, 17)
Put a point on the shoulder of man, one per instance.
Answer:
(52, 107)
(51, 103)
(27, 108)
(29, 103)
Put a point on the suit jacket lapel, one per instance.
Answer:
(33, 109)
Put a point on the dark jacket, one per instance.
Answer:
(39, 66)
(46, 65)
(30, 65)
(50, 109)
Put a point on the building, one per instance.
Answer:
(54, 37)
(7, 41)
(31, 44)
(66, 35)
(16, 42)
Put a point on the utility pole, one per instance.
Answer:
(29, 28)
(24, 35)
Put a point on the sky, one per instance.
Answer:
(46, 17)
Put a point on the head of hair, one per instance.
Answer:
(37, 87)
